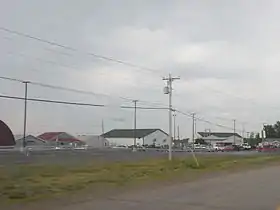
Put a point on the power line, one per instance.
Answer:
(40, 100)
(51, 101)
(96, 94)
(51, 62)
(12, 79)
(77, 50)
(206, 121)
(77, 90)
(55, 63)
(77, 103)
(94, 55)
(62, 88)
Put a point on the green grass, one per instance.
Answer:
(29, 182)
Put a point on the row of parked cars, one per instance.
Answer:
(268, 147)
(219, 147)
(194, 147)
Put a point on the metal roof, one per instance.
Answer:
(218, 134)
(129, 133)
(58, 136)
(6, 135)
(48, 136)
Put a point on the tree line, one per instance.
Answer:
(272, 131)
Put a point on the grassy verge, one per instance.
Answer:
(29, 182)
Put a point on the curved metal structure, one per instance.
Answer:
(6, 135)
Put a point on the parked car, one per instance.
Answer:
(219, 148)
(210, 148)
(140, 148)
(120, 147)
(246, 146)
(267, 148)
(237, 147)
(200, 147)
(228, 148)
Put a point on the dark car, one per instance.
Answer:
(237, 147)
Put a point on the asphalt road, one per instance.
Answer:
(251, 190)
(83, 156)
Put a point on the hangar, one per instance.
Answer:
(6, 135)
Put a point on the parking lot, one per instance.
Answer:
(68, 156)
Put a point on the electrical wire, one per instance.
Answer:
(51, 101)
(95, 94)
(52, 43)
(12, 79)
(76, 103)
(62, 88)
(54, 63)
(79, 91)
(206, 121)
(40, 100)
(88, 92)
(77, 50)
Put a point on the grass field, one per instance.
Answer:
(33, 182)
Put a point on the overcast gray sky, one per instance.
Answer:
(226, 53)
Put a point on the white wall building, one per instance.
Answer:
(30, 141)
(155, 137)
(94, 141)
(219, 137)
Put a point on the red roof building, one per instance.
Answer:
(6, 135)
(61, 137)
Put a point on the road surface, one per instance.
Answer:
(251, 190)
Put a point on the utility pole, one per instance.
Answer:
(243, 130)
(178, 132)
(263, 133)
(248, 135)
(168, 90)
(194, 125)
(193, 128)
(174, 116)
(234, 121)
(102, 126)
(135, 108)
(25, 113)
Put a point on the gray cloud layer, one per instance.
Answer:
(226, 52)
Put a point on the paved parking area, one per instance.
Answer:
(106, 155)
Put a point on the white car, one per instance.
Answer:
(119, 147)
(80, 148)
(218, 148)
(246, 146)
(210, 149)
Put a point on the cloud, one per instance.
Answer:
(226, 53)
